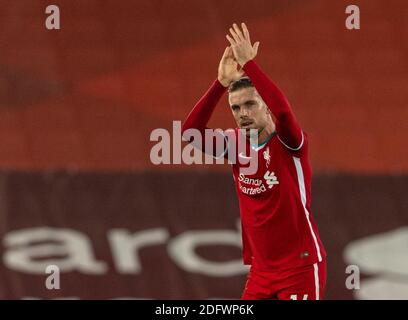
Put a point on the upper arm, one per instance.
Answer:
(302, 142)
(301, 149)
(289, 131)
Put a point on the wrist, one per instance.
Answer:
(242, 63)
(248, 64)
(224, 82)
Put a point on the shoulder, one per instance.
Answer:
(299, 150)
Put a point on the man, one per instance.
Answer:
(280, 239)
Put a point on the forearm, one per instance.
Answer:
(199, 117)
(287, 126)
(204, 108)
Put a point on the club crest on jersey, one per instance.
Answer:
(270, 179)
(267, 156)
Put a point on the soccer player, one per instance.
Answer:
(279, 237)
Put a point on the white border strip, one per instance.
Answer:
(302, 190)
(316, 276)
(293, 149)
(259, 147)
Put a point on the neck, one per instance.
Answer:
(265, 133)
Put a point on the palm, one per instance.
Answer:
(228, 68)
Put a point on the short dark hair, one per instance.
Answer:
(241, 83)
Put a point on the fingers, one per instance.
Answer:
(246, 32)
(227, 56)
(231, 40)
(234, 35)
(226, 52)
(230, 53)
(256, 46)
(238, 32)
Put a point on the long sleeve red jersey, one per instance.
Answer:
(278, 230)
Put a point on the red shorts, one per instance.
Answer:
(304, 283)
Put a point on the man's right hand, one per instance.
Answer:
(228, 69)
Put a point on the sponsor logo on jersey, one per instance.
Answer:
(254, 186)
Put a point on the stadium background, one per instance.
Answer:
(77, 106)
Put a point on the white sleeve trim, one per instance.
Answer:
(293, 149)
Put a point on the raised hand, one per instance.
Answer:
(241, 44)
(228, 68)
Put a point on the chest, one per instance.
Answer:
(262, 171)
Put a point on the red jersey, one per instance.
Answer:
(278, 231)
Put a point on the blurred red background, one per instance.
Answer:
(85, 98)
